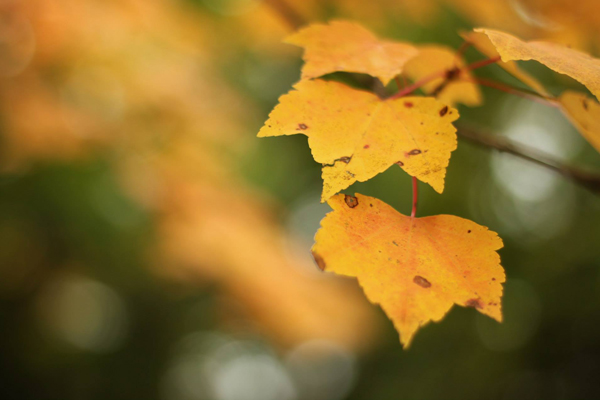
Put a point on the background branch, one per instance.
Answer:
(589, 180)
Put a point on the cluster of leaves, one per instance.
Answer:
(415, 268)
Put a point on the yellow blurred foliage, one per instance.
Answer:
(138, 81)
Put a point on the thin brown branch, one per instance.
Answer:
(417, 85)
(513, 90)
(481, 63)
(589, 180)
(287, 13)
(463, 48)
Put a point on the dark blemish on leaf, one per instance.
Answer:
(469, 231)
(421, 122)
(585, 104)
(269, 126)
(366, 146)
(351, 201)
(302, 126)
(414, 152)
(394, 242)
(493, 279)
(345, 159)
(319, 261)
(350, 173)
(443, 111)
(408, 104)
(419, 280)
(452, 73)
(370, 205)
(400, 163)
(474, 303)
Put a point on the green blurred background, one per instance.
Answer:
(151, 247)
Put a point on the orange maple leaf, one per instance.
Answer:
(415, 268)
(347, 46)
(356, 135)
(584, 113)
(576, 64)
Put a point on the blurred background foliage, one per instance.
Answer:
(152, 248)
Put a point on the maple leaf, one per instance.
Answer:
(356, 135)
(485, 46)
(576, 64)
(584, 113)
(347, 46)
(415, 268)
(434, 58)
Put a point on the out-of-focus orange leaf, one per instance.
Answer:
(584, 113)
(434, 58)
(356, 135)
(347, 46)
(202, 217)
(484, 45)
(575, 23)
(415, 268)
(576, 64)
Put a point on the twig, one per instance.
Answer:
(287, 13)
(399, 84)
(587, 179)
(513, 90)
(463, 47)
(481, 63)
(411, 88)
(415, 185)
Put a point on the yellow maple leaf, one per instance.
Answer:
(485, 46)
(576, 64)
(434, 58)
(356, 135)
(584, 113)
(347, 46)
(415, 268)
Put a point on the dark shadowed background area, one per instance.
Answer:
(151, 247)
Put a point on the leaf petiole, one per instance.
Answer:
(415, 185)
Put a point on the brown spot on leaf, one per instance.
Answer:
(585, 104)
(394, 242)
(345, 159)
(302, 127)
(400, 163)
(419, 280)
(366, 146)
(469, 231)
(452, 73)
(474, 303)
(414, 152)
(443, 111)
(493, 279)
(408, 104)
(319, 261)
(351, 201)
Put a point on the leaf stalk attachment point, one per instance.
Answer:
(415, 185)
